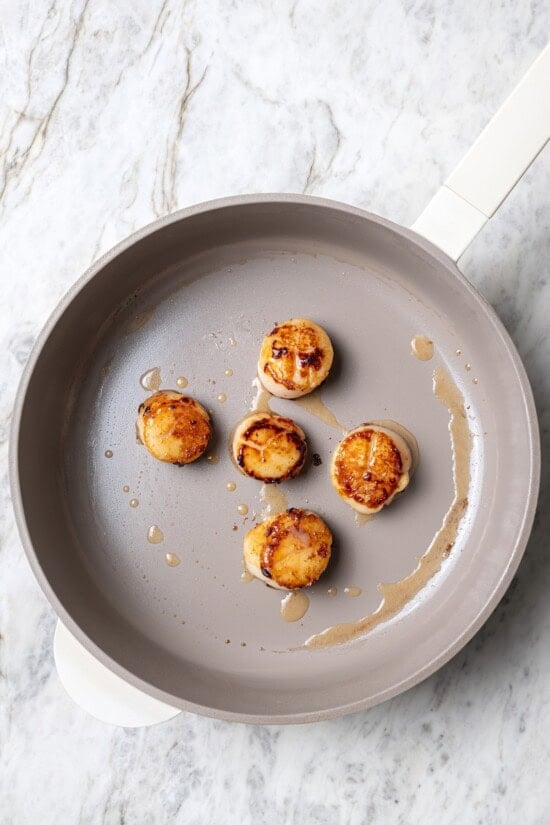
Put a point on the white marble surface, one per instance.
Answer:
(114, 113)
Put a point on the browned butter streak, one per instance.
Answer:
(314, 404)
(395, 595)
(422, 348)
(262, 398)
(274, 499)
(294, 606)
(363, 518)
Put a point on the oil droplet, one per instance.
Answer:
(134, 502)
(155, 534)
(474, 380)
(246, 576)
(467, 367)
(222, 397)
(151, 379)
(458, 352)
(229, 373)
(182, 382)
(242, 509)
(352, 591)
(213, 458)
(332, 591)
(126, 488)
(172, 559)
(231, 486)
(294, 606)
(108, 453)
(232, 342)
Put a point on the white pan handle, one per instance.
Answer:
(99, 691)
(497, 160)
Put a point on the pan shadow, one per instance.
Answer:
(340, 365)
(335, 555)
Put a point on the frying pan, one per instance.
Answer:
(192, 295)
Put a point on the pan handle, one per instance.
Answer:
(99, 691)
(497, 160)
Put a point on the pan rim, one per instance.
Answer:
(514, 558)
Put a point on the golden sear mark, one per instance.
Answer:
(174, 427)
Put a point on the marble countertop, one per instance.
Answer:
(115, 113)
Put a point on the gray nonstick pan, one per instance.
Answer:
(142, 560)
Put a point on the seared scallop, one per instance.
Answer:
(269, 447)
(174, 427)
(370, 466)
(290, 550)
(295, 358)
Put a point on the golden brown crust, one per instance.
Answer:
(269, 447)
(295, 358)
(174, 427)
(368, 467)
(296, 550)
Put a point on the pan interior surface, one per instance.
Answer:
(193, 300)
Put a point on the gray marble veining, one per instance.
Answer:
(115, 113)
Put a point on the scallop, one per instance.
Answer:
(370, 466)
(290, 550)
(174, 427)
(269, 447)
(295, 358)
